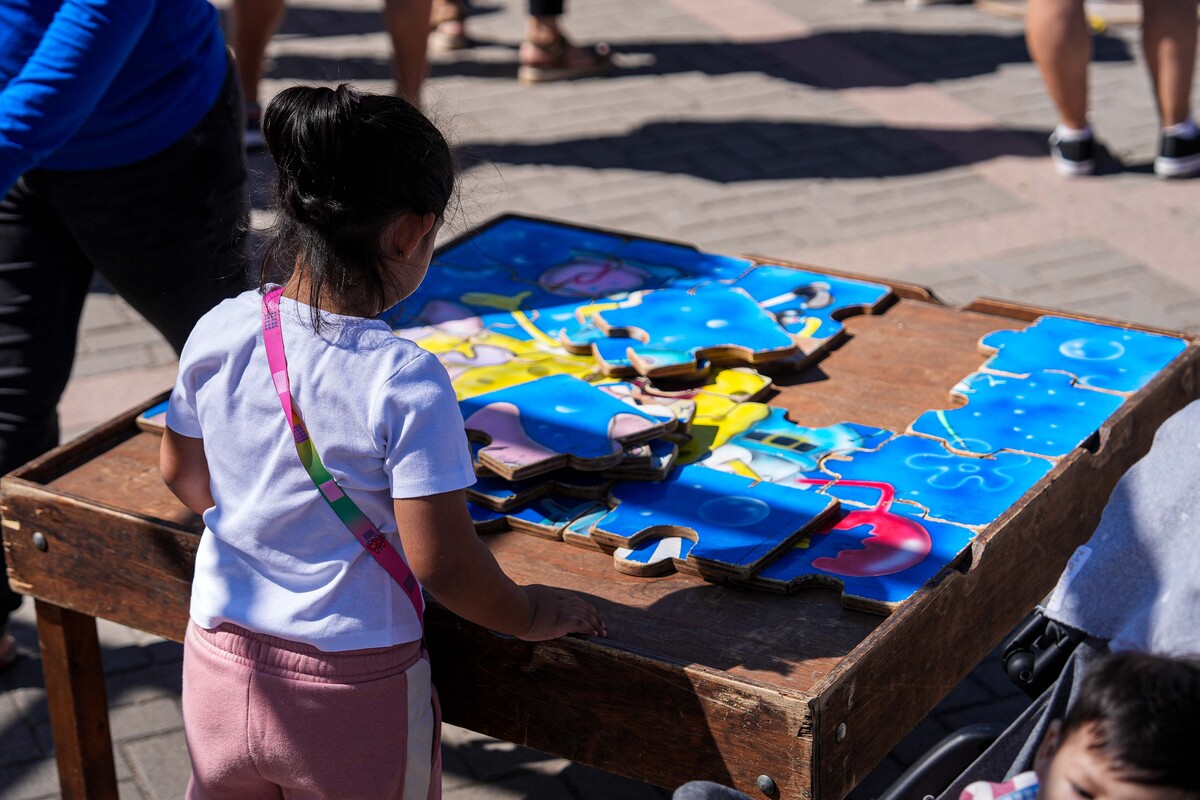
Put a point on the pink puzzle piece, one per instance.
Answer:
(553, 422)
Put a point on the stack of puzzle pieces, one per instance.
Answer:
(612, 394)
(611, 391)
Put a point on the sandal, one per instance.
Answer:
(447, 24)
(560, 61)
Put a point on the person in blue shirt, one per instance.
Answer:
(120, 154)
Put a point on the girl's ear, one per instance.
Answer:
(409, 233)
(1047, 749)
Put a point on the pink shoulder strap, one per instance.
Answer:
(351, 516)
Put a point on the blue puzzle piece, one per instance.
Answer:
(806, 303)
(579, 531)
(154, 418)
(539, 426)
(529, 265)
(1044, 414)
(1100, 356)
(501, 495)
(879, 555)
(776, 449)
(736, 523)
(486, 520)
(552, 261)
(548, 516)
(553, 324)
(692, 265)
(968, 490)
(450, 293)
(526, 246)
(682, 328)
(653, 556)
(649, 461)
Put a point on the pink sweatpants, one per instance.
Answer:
(271, 718)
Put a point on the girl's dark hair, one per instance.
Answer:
(349, 164)
(1144, 711)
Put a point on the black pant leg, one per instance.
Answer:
(44, 278)
(546, 8)
(168, 233)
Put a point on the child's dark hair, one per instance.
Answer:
(349, 164)
(1144, 712)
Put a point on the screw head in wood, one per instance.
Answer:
(39, 541)
(766, 785)
(841, 732)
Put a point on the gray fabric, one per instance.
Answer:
(1014, 751)
(1134, 586)
(1136, 582)
(704, 790)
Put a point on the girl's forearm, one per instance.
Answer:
(456, 567)
(473, 586)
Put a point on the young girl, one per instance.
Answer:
(296, 409)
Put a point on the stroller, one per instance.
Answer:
(1135, 585)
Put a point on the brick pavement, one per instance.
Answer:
(862, 136)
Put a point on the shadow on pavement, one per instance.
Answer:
(756, 150)
(835, 59)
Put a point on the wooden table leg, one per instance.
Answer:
(78, 706)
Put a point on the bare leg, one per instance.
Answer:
(1169, 40)
(407, 22)
(252, 23)
(1061, 45)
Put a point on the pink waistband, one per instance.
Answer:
(296, 660)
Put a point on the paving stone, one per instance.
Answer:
(588, 783)
(33, 780)
(129, 722)
(521, 787)
(128, 790)
(18, 740)
(489, 759)
(154, 682)
(30, 700)
(160, 765)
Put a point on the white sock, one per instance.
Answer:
(1065, 134)
(1186, 129)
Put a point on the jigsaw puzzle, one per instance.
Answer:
(519, 264)
(497, 494)
(674, 332)
(736, 524)
(1104, 357)
(1043, 414)
(553, 422)
(966, 490)
(531, 319)
(878, 556)
(154, 419)
(772, 448)
(810, 305)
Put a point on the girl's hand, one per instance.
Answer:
(557, 612)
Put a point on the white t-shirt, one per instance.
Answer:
(274, 558)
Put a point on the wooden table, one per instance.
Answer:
(695, 680)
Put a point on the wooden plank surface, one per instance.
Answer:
(893, 367)
(746, 682)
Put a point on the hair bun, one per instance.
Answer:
(309, 130)
(318, 210)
